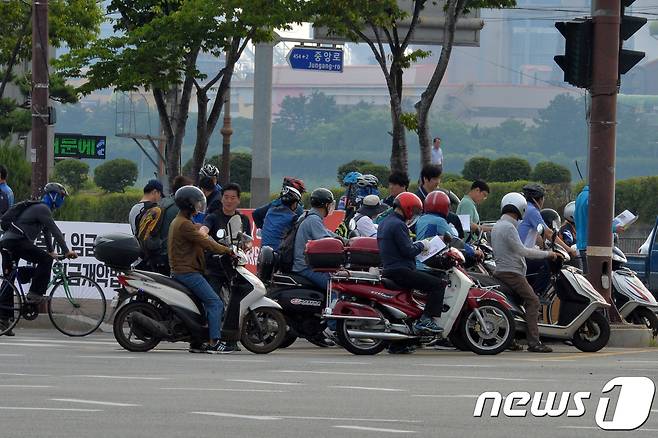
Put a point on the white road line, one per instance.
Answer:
(366, 388)
(11, 355)
(263, 382)
(246, 417)
(598, 428)
(24, 344)
(654, 410)
(120, 377)
(374, 429)
(445, 396)
(93, 402)
(223, 360)
(337, 362)
(68, 341)
(25, 375)
(224, 389)
(26, 386)
(441, 365)
(640, 361)
(424, 376)
(24, 408)
(107, 357)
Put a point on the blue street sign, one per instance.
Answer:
(316, 58)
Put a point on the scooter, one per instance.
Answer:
(581, 319)
(372, 311)
(633, 300)
(156, 308)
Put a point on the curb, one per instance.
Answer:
(630, 336)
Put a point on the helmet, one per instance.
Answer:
(551, 218)
(295, 183)
(514, 203)
(290, 195)
(56, 188)
(409, 203)
(321, 197)
(437, 202)
(190, 198)
(454, 199)
(367, 181)
(209, 170)
(351, 178)
(569, 211)
(533, 191)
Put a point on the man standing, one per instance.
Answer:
(437, 152)
(220, 218)
(6, 194)
(398, 182)
(430, 178)
(153, 193)
(468, 205)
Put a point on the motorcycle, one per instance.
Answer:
(580, 313)
(155, 308)
(372, 311)
(635, 303)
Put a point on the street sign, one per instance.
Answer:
(80, 146)
(316, 59)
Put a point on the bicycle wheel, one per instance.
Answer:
(76, 305)
(11, 304)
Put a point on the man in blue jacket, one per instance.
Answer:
(259, 214)
(280, 218)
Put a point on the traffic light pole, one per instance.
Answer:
(39, 98)
(602, 135)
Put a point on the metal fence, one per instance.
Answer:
(630, 245)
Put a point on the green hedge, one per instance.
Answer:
(94, 207)
(639, 195)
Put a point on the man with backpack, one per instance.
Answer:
(153, 193)
(280, 218)
(6, 194)
(22, 224)
(260, 213)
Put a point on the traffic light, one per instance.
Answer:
(577, 59)
(628, 27)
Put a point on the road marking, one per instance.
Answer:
(68, 341)
(640, 361)
(455, 366)
(592, 355)
(25, 375)
(93, 402)
(654, 410)
(246, 417)
(26, 386)
(120, 377)
(366, 388)
(337, 362)
(107, 357)
(23, 344)
(425, 376)
(215, 358)
(598, 428)
(224, 389)
(374, 429)
(24, 408)
(11, 355)
(263, 382)
(445, 396)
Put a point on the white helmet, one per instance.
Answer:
(209, 170)
(367, 181)
(514, 203)
(569, 211)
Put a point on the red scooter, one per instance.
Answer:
(372, 311)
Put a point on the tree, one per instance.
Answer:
(240, 168)
(73, 173)
(551, 173)
(509, 169)
(115, 175)
(299, 113)
(165, 62)
(562, 127)
(352, 166)
(476, 168)
(19, 169)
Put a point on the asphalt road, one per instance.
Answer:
(54, 386)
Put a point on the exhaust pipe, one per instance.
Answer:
(149, 325)
(378, 335)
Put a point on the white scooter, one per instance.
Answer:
(157, 308)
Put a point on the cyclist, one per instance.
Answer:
(280, 218)
(19, 239)
(259, 214)
(212, 172)
(213, 194)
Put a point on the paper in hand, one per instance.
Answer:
(436, 245)
(465, 220)
(625, 219)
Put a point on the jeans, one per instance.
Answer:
(212, 303)
(320, 279)
(519, 284)
(538, 275)
(429, 284)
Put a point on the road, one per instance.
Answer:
(56, 386)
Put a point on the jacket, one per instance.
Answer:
(311, 228)
(259, 214)
(169, 210)
(509, 251)
(186, 246)
(33, 221)
(278, 221)
(396, 249)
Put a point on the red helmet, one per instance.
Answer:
(295, 183)
(409, 203)
(437, 202)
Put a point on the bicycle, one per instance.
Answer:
(76, 304)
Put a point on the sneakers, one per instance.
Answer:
(401, 349)
(427, 325)
(221, 348)
(33, 297)
(197, 348)
(540, 348)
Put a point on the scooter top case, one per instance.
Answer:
(296, 294)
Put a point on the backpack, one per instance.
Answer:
(149, 222)
(4, 202)
(13, 213)
(287, 248)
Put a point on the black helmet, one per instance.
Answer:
(321, 197)
(190, 198)
(533, 191)
(551, 218)
(53, 187)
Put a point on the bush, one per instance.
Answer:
(639, 196)
(476, 168)
(19, 170)
(551, 173)
(72, 173)
(115, 175)
(240, 168)
(365, 167)
(509, 169)
(111, 207)
(352, 166)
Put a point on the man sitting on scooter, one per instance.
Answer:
(510, 255)
(398, 254)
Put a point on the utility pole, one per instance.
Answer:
(261, 155)
(226, 131)
(602, 135)
(39, 98)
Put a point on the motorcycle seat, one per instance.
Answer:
(486, 280)
(390, 284)
(168, 281)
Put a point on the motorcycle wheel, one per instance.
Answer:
(593, 334)
(646, 317)
(360, 346)
(498, 319)
(131, 337)
(288, 340)
(457, 341)
(263, 330)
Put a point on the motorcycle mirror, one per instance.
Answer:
(540, 229)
